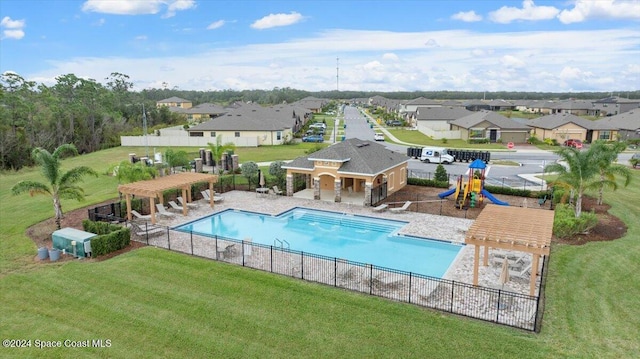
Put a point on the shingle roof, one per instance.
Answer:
(252, 117)
(356, 155)
(173, 99)
(559, 119)
(629, 120)
(494, 118)
(207, 108)
(441, 113)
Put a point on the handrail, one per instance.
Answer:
(285, 241)
(277, 240)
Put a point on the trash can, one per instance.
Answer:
(54, 254)
(43, 253)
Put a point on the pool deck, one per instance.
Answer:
(419, 224)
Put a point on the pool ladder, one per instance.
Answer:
(281, 242)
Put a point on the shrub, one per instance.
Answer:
(511, 191)
(110, 237)
(444, 140)
(428, 183)
(441, 174)
(565, 223)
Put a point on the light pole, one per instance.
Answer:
(144, 129)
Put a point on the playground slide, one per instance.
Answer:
(492, 198)
(447, 193)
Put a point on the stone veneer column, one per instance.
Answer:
(367, 194)
(337, 187)
(316, 187)
(289, 185)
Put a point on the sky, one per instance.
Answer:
(428, 45)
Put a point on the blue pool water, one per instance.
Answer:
(356, 238)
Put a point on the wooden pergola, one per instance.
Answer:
(154, 188)
(520, 229)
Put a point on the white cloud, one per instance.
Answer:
(127, 7)
(467, 16)
(275, 20)
(601, 9)
(216, 25)
(100, 22)
(529, 12)
(465, 61)
(141, 37)
(512, 61)
(12, 29)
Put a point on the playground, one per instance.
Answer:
(469, 191)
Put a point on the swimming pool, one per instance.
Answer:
(356, 238)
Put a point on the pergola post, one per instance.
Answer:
(476, 261)
(152, 205)
(534, 274)
(128, 200)
(184, 205)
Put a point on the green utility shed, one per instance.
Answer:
(73, 241)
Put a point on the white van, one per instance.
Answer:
(436, 155)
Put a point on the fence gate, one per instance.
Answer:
(378, 193)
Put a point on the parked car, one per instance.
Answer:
(378, 137)
(313, 138)
(315, 131)
(318, 125)
(394, 123)
(573, 143)
(635, 160)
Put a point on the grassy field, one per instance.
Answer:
(419, 138)
(154, 303)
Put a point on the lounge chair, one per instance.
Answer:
(217, 199)
(140, 216)
(163, 211)
(182, 202)
(401, 209)
(205, 195)
(276, 190)
(524, 273)
(381, 208)
(175, 206)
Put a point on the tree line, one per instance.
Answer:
(92, 115)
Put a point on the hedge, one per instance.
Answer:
(565, 223)
(110, 237)
(427, 183)
(512, 191)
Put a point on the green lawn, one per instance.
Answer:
(419, 138)
(154, 303)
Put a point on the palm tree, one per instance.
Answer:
(218, 149)
(607, 154)
(59, 185)
(577, 176)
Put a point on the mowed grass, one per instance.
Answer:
(420, 139)
(154, 303)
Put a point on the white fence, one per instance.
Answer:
(438, 134)
(183, 141)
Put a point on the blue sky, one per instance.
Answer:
(557, 46)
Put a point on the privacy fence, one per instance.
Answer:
(488, 304)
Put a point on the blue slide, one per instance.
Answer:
(492, 198)
(447, 193)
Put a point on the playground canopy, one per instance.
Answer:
(526, 230)
(154, 188)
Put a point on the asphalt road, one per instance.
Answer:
(531, 160)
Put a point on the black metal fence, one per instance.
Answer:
(505, 181)
(378, 193)
(488, 304)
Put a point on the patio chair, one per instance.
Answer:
(140, 216)
(217, 199)
(404, 207)
(175, 206)
(163, 211)
(205, 195)
(381, 208)
(276, 190)
(523, 273)
(182, 202)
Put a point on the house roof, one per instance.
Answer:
(629, 120)
(357, 156)
(556, 120)
(252, 117)
(496, 119)
(615, 99)
(173, 99)
(441, 113)
(207, 108)
(421, 101)
(573, 105)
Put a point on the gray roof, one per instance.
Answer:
(573, 105)
(421, 101)
(207, 108)
(559, 119)
(173, 99)
(629, 120)
(356, 155)
(441, 113)
(496, 119)
(252, 117)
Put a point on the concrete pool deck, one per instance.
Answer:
(419, 224)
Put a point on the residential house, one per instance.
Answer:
(314, 104)
(611, 106)
(434, 120)
(492, 126)
(574, 107)
(359, 168)
(500, 105)
(627, 125)
(174, 103)
(254, 125)
(565, 126)
(204, 112)
(476, 105)
(412, 105)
